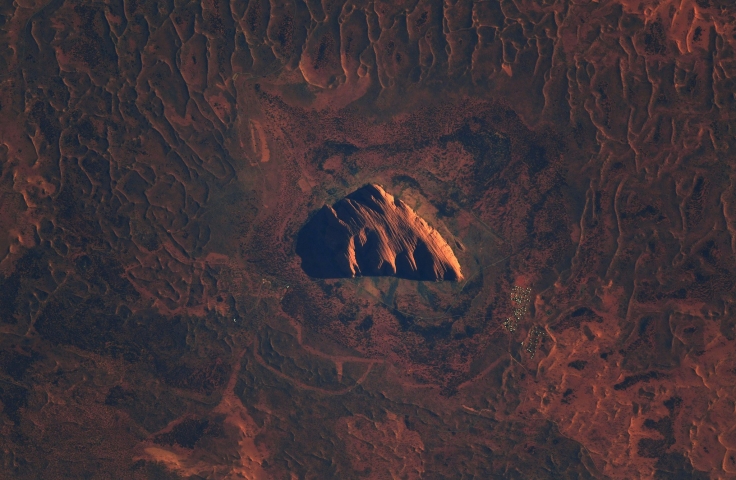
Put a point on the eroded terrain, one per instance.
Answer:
(370, 233)
(158, 159)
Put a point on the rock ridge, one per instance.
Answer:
(370, 233)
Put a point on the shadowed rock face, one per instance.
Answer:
(369, 233)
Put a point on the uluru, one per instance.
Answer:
(370, 233)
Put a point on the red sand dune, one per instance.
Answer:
(158, 161)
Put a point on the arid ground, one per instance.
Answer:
(158, 160)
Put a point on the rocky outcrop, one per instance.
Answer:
(370, 233)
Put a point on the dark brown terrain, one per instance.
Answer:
(158, 161)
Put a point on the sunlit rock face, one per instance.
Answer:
(369, 233)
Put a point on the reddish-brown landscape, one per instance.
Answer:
(564, 166)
